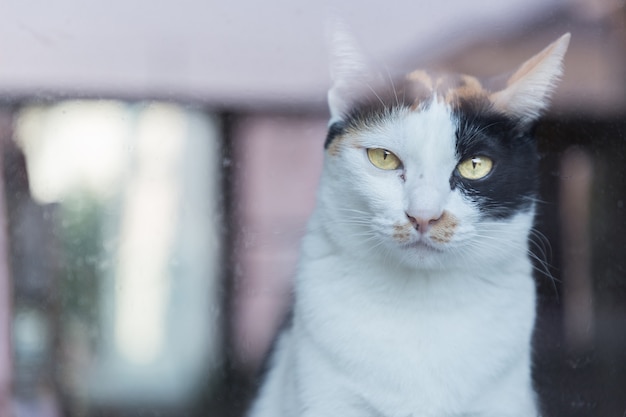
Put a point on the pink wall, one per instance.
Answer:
(279, 161)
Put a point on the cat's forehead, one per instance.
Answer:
(458, 94)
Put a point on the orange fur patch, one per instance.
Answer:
(340, 142)
(334, 149)
(469, 88)
(443, 230)
(402, 232)
(421, 77)
(451, 88)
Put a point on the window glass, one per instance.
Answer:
(151, 244)
(116, 256)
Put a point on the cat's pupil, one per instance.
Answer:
(386, 155)
(475, 162)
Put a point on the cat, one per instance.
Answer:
(414, 293)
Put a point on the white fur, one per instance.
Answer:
(383, 327)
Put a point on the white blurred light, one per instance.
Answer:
(147, 232)
(74, 145)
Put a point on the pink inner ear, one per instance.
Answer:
(528, 89)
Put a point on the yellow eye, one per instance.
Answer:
(383, 159)
(475, 167)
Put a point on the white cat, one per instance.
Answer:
(414, 294)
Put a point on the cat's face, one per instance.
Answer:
(434, 171)
(432, 185)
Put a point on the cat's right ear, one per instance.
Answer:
(349, 71)
(528, 90)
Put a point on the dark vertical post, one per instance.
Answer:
(6, 288)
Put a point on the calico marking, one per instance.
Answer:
(481, 129)
(335, 130)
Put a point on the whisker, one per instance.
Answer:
(376, 95)
(500, 246)
(393, 87)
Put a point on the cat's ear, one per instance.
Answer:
(528, 90)
(349, 71)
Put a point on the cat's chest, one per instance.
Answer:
(392, 333)
(390, 339)
(386, 305)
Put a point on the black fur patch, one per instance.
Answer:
(336, 129)
(512, 184)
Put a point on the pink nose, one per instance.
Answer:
(423, 224)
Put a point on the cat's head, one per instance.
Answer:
(434, 170)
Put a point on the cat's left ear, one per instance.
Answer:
(528, 90)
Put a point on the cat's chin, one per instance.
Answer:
(422, 246)
(423, 255)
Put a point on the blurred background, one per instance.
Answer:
(160, 160)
